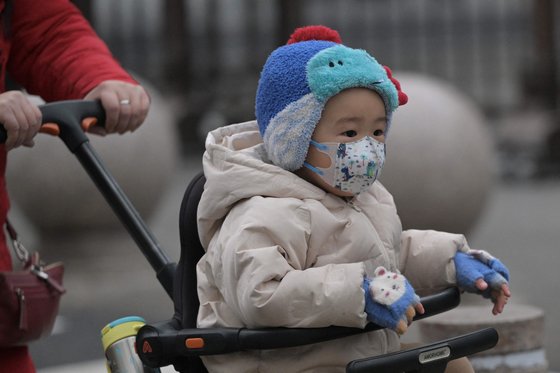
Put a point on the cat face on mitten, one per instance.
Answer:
(387, 287)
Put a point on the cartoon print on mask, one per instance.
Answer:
(346, 174)
(360, 165)
(341, 152)
(354, 165)
(371, 171)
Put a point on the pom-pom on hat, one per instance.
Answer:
(299, 78)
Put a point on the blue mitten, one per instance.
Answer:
(476, 264)
(388, 297)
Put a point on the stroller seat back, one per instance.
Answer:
(185, 293)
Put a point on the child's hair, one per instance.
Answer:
(299, 78)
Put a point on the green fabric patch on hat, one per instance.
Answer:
(337, 68)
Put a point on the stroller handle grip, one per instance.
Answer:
(68, 116)
(162, 344)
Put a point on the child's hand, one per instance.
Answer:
(404, 323)
(479, 272)
(390, 300)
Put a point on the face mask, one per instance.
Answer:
(354, 165)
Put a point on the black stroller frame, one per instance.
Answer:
(178, 341)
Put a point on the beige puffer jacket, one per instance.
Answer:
(282, 252)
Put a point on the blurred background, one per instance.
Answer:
(207, 54)
(496, 64)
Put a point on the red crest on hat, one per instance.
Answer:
(314, 33)
(403, 98)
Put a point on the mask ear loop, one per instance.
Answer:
(321, 147)
(313, 168)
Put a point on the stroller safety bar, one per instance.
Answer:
(431, 358)
(161, 344)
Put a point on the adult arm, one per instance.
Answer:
(56, 54)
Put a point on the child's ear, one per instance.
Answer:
(380, 271)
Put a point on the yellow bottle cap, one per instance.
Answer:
(119, 329)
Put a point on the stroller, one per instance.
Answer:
(178, 341)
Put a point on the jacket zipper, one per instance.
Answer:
(379, 242)
(357, 208)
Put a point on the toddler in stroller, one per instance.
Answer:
(299, 233)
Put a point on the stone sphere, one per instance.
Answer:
(440, 163)
(54, 192)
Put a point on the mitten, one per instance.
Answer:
(477, 264)
(388, 297)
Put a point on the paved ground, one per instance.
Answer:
(107, 277)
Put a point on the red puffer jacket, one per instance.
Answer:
(50, 49)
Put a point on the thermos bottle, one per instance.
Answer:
(118, 340)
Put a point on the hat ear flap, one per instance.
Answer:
(403, 98)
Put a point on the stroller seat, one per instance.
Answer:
(179, 342)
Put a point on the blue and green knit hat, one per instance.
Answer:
(299, 78)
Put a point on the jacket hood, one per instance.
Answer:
(236, 167)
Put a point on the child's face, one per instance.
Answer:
(347, 117)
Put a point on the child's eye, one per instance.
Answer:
(351, 133)
(377, 132)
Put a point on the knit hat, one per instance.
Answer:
(299, 78)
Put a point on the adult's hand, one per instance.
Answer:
(126, 106)
(20, 118)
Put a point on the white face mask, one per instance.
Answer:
(354, 165)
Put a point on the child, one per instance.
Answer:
(298, 232)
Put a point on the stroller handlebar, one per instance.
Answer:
(68, 116)
(161, 344)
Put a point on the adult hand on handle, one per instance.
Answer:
(20, 117)
(126, 106)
